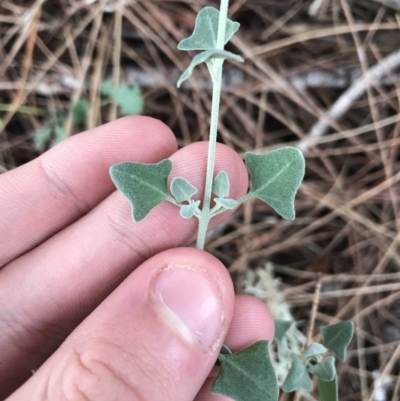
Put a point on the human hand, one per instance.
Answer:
(99, 307)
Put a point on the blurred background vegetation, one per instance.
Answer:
(323, 75)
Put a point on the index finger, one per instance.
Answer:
(42, 197)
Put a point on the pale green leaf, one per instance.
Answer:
(204, 57)
(328, 390)
(297, 377)
(42, 136)
(324, 370)
(281, 327)
(221, 185)
(188, 211)
(314, 349)
(144, 185)
(107, 88)
(182, 190)
(226, 203)
(80, 111)
(205, 34)
(247, 375)
(276, 177)
(337, 337)
(59, 133)
(129, 99)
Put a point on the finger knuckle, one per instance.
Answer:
(91, 376)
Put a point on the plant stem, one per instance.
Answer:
(216, 74)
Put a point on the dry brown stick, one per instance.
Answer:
(45, 68)
(395, 4)
(389, 366)
(116, 58)
(83, 71)
(27, 64)
(347, 99)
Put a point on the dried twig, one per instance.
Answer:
(347, 99)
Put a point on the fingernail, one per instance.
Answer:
(189, 301)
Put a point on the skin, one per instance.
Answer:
(102, 308)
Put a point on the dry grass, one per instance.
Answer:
(297, 67)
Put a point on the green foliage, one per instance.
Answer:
(276, 177)
(188, 211)
(80, 112)
(324, 370)
(206, 57)
(337, 337)
(52, 133)
(182, 190)
(281, 327)
(129, 99)
(205, 33)
(328, 390)
(144, 185)
(314, 349)
(221, 185)
(297, 377)
(247, 375)
(226, 203)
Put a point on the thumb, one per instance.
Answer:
(155, 338)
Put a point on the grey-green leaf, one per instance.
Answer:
(276, 177)
(188, 211)
(205, 34)
(221, 185)
(204, 57)
(182, 189)
(129, 99)
(297, 377)
(225, 350)
(80, 111)
(337, 337)
(42, 136)
(324, 370)
(226, 203)
(328, 390)
(144, 185)
(247, 375)
(314, 349)
(281, 327)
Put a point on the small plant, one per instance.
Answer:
(275, 178)
(129, 100)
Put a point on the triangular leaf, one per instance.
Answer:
(337, 337)
(205, 34)
(80, 111)
(276, 177)
(247, 375)
(226, 203)
(225, 350)
(314, 349)
(324, 370)
(182, 189)
(297, 377)
(221, 185)
(281, 327)
(328, 390)
(144, 185)
(129, 99)
(188, 211)
(206, 56)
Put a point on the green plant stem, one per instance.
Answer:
(216, 74)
